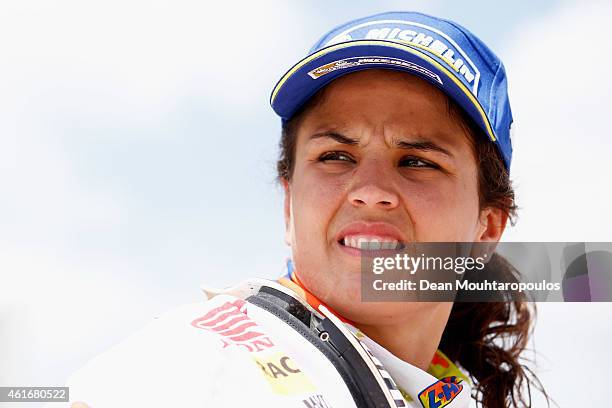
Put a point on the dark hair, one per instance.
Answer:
(486, 339)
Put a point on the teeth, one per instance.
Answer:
(362, 243)
(370, 242)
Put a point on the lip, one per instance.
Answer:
(378, 229)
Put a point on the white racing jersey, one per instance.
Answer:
(232, 351)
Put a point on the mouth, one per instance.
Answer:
(372, 239)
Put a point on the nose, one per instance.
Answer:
(371, 191)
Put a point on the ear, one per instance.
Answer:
(287, 211)
(492, 225)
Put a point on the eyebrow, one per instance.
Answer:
(340, 138)
(424, 145)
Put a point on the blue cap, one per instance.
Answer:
(439, 51)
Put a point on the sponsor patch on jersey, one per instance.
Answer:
(440, 393)
(371, 60)
(441, 366)
(231, 322)
(283, 374)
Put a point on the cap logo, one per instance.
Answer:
(371, 60)
(418, 35)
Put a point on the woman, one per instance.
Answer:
(396, 129)
(393, 156)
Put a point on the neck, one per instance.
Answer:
(415, 339)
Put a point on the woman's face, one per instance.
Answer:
(378, 159)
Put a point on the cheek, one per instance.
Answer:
(317, 196)
(315, 201)
(446, 210)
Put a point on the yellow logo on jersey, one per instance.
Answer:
(283, 374)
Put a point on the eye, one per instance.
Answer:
(411, 161)
(336, 156)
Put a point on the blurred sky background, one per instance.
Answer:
(137, 156)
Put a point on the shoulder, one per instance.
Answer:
(231, 347)
(169, 358)
(192, 355)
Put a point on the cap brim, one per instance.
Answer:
(317, 70)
